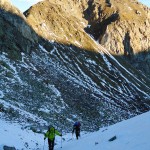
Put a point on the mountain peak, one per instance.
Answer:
(8, 6)
(119, 26)
(60, 21)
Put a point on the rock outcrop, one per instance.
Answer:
(9, 148)
(61, 21)
(120, 26)
(15, 34)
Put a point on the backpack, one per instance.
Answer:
(50, 130)
(50, 126)
(50, 134)
(77, 124)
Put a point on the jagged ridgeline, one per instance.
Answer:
(53, 72)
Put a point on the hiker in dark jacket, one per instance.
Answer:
(50, 134)
(76, 129)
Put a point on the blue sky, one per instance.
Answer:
(146, 2)
(25, 4)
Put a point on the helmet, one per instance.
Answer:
(50, 126)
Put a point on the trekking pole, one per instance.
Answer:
(61, 141)
(44, 145)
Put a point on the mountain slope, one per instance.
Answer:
(129, 135)
(120, 26)
(59, 82)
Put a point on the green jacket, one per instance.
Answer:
(50, 134)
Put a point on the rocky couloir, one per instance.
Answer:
(120, 26)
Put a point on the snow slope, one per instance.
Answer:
(132, 134)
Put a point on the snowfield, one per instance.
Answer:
(132, 134)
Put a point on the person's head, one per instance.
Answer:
(50, 126)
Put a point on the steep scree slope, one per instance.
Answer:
(120, 26)
(53, 82)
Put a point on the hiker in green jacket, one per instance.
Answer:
(50, 134)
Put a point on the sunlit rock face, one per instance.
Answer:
(120, 26)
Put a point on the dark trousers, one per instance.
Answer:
(77, 133)
(51, 144)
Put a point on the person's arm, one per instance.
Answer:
(73, 129)
(46, 135)
(57, 133)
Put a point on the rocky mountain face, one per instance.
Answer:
(60, 21)
(120, 26)
(15, 34)
(53, 72)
